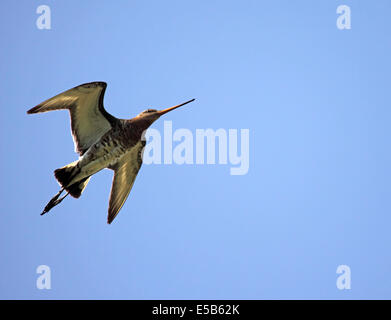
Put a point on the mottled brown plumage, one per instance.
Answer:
(102, 141)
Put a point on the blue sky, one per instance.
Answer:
(315, 98)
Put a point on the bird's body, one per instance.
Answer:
(102, 141)
(107, 151)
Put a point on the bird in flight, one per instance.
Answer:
(102, 141)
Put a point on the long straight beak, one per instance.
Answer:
(161, 112)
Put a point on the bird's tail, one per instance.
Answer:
(65, 176)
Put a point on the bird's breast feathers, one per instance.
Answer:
(107, 152)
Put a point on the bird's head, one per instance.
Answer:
(149, 116)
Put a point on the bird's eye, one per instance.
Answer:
(149, 110)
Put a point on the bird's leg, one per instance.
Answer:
(54, 201)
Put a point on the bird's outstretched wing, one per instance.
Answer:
(125, 172)
(89, 120)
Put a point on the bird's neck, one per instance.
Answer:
(137, 127)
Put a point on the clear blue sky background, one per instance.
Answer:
(316, 100)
